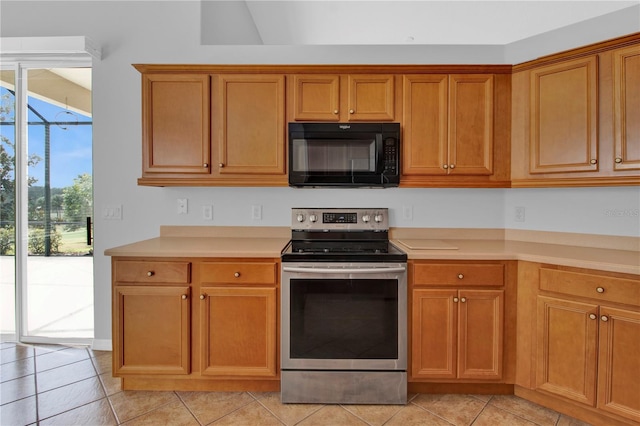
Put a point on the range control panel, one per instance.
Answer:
(340, 219)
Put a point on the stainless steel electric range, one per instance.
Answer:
(344, 309)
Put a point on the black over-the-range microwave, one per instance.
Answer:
(344, 154)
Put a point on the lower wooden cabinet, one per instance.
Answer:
(457, 321)
(457, 334)
(584, 341)
(195, 324)
(238, 331)
(151, 330)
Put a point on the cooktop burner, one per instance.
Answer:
(349, 235)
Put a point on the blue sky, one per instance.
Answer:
(71, 149)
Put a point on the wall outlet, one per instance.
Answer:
(518, 215)
(182, 206)
(256, 212)
(407, 212)
(207, 212)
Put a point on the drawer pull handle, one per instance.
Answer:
(351, 111)
(604, 318)
(600, 290)
(237, 275)
(455, 299)
(184, 297)
(202, 296)
(150, 273)
(463, 300)
(618, 160)
(593, 161)
(335, 111)
(593, 316)
(460, 276)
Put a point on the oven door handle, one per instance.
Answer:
(315, 270)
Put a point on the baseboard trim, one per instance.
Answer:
(102, 345)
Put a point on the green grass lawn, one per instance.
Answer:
(74, 242)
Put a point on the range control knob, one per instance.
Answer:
(313, 218)
(366, 218)
(300, 217)
(378, 218)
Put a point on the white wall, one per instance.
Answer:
(169, 32)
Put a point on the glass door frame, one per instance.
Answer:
(21, 68)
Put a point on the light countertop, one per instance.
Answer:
(579, 250)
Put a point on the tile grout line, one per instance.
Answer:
(35, 384)
(188, 408)
(486, 403)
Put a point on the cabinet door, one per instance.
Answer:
(175, 123)
(316, 97)
(371, 98)
(619, 363)
(434, 343)
(564, 117)
(151, 330)
(249, 125)
(566, 351)
(480, 334)
(626, 83)
(425, 135)
(238, 336)
(471, 124)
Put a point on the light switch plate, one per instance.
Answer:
(256, 212)
(207, 212)
(112, 212)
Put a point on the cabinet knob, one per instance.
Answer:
(593, 161)
(150, 273)
(464, 299)
(618, 160)
(460, 276)
(335, 111)
(237, 274)
(351, 111)
(445, 166)
(452, 166)
(593, 316)
(600, 290)
(604, 318)
(455, 299)
(184, 297)
(205, 165)
(221, 165)
(202, 296)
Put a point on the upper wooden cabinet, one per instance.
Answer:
(564, 117)
(175, 129)
(221, 129)
(626, 95)
(457, 127)
(343, 97)
(574, 117)
(249, 128)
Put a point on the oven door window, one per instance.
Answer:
(344, 319)
(341, 156)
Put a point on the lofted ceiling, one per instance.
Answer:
(412, 22)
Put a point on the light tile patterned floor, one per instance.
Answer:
(58, 385)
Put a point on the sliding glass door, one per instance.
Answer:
(50, 147)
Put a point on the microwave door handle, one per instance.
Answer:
(311, 269)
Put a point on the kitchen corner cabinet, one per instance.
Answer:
(455, 130)
(352, 97)
(580, 332)
(564, 117)
(195, 324)
(457, 322)
(574, 117)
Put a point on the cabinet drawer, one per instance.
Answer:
(598, 287)
(458, 274)
(239, 272)
(152, 272)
